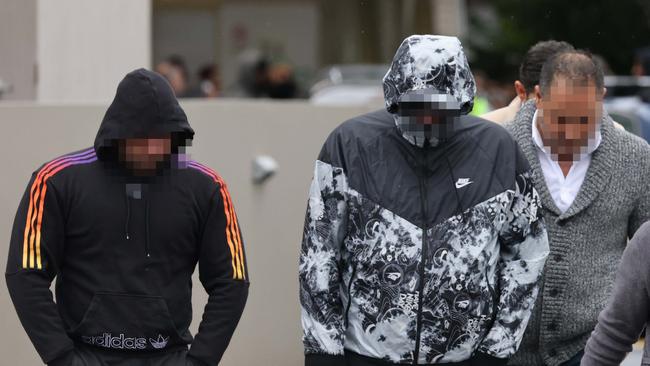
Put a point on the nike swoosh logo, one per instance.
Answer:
(462, 183)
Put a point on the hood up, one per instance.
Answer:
(144, 106)
(433, 70)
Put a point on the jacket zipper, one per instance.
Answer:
(423, 201)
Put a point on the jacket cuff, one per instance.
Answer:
(484, 359)
(316, 359)
(64, 360)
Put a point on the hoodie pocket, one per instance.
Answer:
(128, 322)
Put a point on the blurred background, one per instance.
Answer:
(263, 82)
(331, 52)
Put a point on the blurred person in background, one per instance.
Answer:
(593, 183)
(253, 75)
(281, 82)
(175, 71)
(423, 240)
(122, 226)
(641, 66)
(529, 71)
(209, 81)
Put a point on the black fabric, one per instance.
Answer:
(483, 359)
(324, 360)
(575, 360)
(123, 257)
(355, 359)
(64, 360)
(84, 356)
(478, 149)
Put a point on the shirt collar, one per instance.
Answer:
(537, 138)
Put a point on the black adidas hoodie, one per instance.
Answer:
(123, 249)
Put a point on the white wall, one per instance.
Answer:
(84, 46)
(18, 48)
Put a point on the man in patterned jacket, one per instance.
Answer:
(423, 240)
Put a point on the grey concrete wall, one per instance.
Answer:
(18, 48)
(229, 135)
(84, 46)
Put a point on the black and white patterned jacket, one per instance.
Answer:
(419, 255)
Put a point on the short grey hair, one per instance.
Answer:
(575, 65)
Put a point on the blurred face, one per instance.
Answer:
(422, 116)
(143, 155)
(569, 115)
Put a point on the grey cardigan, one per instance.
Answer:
(628, 310)
(586, 241)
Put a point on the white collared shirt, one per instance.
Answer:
(563, 189)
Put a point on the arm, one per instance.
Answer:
(524, 248)
(320, 259)
(35, 256)
(224, 275)
(626, 314)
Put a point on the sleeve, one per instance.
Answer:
(224, 275)
(35, 253)
(524, 248)
(320, 261)
(622, 321)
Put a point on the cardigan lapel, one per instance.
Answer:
(521, 129)
(598, 173)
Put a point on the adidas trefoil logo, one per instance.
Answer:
(159, 343)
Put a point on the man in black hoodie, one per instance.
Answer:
(121, 226)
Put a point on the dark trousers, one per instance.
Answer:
(91, 356)
(354, 359)
(575, 360)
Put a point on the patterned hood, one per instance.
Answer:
(428, 68)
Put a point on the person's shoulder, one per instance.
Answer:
(355, 133)
(486, 133)
(630, 140)
(198, 173)
(504, 114)
(65, 163)
(631, 146)
(365, 125)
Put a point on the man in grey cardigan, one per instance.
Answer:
(593, 182)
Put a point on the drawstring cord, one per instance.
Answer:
(127, 225)
(146, 228)
(128, 216)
